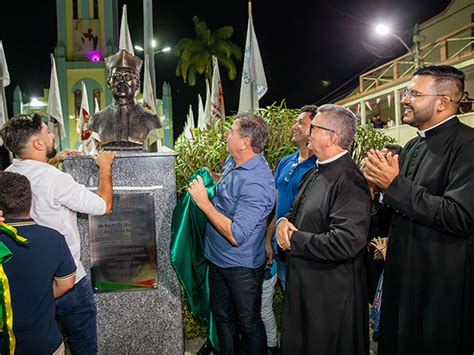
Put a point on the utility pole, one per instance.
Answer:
(417, 38)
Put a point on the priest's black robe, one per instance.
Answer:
(325, 309)
(428, 298)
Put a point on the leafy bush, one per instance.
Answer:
(206, 149)
(368, 138)
(280, 119)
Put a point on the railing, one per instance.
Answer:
(448, 49)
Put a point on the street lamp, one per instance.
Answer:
(384, 30)
(165, 49)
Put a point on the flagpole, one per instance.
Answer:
(252, 101)
(59, 136)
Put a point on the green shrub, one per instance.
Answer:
(368, 138)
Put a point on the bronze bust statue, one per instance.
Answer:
(124, 123)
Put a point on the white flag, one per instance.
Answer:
(367, 103)
(254, 82)
(389, 100)
(148, 94)
(207, 107)
(55, 113)
(125, 41)
(87, 138)
(4, 74)
(217, 96)
(4, 81)
(186, 132)
(190, 116)
(96, 105)
(201, 114)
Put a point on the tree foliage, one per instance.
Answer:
(195, 54)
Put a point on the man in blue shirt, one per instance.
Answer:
(40, 270)
(288, 175)
(235, 236)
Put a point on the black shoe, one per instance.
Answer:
(376, 337)
(206, 348)
(273, 350)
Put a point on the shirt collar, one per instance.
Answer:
(28, 162)
(337, 156)
(311, 159)
(422, 134)
(251, 163)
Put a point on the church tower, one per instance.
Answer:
(87, 33)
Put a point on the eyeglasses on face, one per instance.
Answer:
(313, 126)
(126, 76)
(413, 94)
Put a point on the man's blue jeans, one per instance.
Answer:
(76, 312)
(235, 300)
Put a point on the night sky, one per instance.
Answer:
(304, 44)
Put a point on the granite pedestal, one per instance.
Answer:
(139, 321)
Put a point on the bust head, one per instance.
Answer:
(123, 76)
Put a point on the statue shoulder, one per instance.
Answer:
(148, 116)
(108, 110)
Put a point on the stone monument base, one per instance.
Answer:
(148, 320)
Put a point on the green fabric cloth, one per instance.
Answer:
(188, 230)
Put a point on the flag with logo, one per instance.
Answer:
(88, 144)
(55, 113)
(254, 83)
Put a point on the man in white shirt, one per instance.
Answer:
(56, 200)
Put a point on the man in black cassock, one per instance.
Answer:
(428, 296)
(326, 309)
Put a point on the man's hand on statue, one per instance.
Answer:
(381, 170)
(66, 152)
(55, 160)
(198, 192)
(104, 159)
(284, 231)
(1, 217)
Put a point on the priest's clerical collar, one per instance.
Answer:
(422, 134)
(337, 156)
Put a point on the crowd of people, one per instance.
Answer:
(316, 225)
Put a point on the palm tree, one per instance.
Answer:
(195, 55)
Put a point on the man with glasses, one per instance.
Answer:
(428, 297)
(123, 123)
(235, 236)
(326, 308)
(287, 177)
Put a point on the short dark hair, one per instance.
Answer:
(312, 109)
(254, 127)
(15, 194)
(19, 129)
(446, 76)
(393, 147)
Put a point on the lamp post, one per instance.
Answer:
(165, 49)
(385, 30)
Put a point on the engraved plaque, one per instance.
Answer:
(123, 245)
